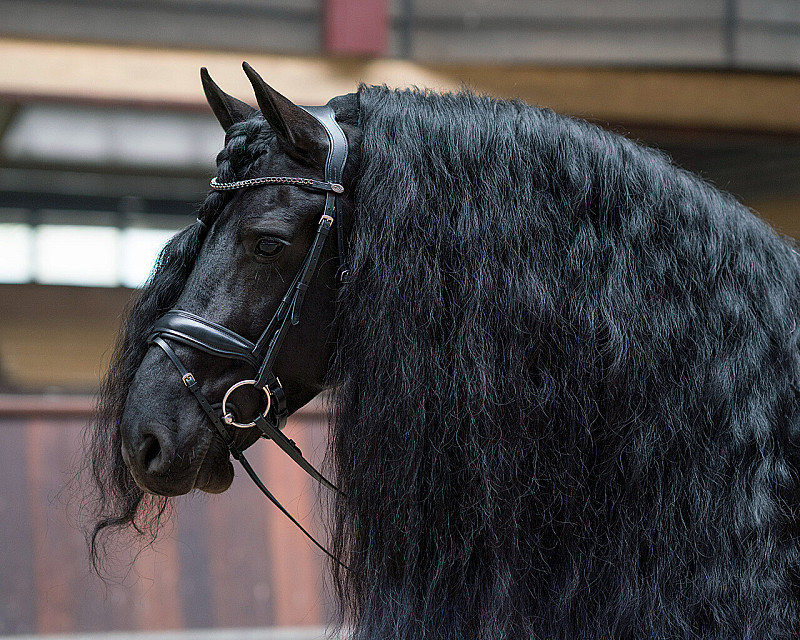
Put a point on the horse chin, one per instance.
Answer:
(164, 489)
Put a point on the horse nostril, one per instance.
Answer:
(151, 449)
(153, 456)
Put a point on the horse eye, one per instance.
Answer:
(269, 247)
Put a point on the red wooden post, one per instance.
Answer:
(355, 27)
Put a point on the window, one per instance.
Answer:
(80, 255)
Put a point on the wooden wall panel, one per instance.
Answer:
(587, 31)
(195, 549)
(633, 11)
(295, 561)
(214, 567)
(760, 47)
(157, 603)
(17, 589)
(239, 556)
(54, 548)
(355, 28)
(281, 26)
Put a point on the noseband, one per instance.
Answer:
(191, 330)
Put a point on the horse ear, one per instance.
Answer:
(298, 132)
(228, 109)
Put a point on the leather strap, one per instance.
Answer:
(191, 383)
(337, 148)
(205, 335)
(307, 272)
(334, 171)
(262, 487)
(293, 451)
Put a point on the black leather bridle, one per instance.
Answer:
(194, 331)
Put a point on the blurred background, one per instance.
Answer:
(107, 146)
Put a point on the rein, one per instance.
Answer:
(192, 330)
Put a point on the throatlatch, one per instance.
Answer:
(192, 330)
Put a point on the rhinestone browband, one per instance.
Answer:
(335, 187)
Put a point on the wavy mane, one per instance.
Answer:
(567, 378)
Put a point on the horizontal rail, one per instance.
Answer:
(99, 74)
(23, 404)
(273, 633)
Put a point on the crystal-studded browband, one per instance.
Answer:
(334, 187)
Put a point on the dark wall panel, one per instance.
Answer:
(225, 561)
(17, 589)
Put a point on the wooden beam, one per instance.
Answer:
(46, 405)
(696, 99)
(169, 77)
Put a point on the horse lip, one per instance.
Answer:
(201, 479)
(164, 493)
(202, 462)
(159, 489)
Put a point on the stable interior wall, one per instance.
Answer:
(56, 338)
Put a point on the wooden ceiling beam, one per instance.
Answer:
(34, 70)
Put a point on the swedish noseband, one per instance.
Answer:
(194, 331)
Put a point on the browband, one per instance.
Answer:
(335, 187)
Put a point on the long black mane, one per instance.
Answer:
(567, 378)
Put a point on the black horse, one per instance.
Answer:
(564, 373)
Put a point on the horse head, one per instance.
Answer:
(255, 236)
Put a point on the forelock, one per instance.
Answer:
(245, 143)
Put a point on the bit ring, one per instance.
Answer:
(227, 418)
